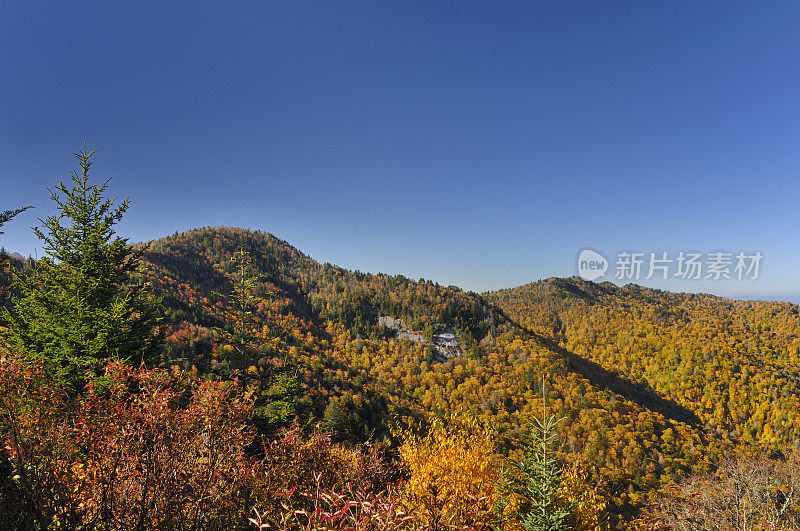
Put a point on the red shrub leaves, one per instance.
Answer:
(138, 450)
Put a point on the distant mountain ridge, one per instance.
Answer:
(641, 334)
(653, 385)
(717, 346)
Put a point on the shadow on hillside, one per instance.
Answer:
(185, 265)
(190, 267)
(602, 378)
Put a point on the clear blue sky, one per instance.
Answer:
(482, 144)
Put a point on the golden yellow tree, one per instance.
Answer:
(452, 476)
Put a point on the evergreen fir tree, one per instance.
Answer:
(79, 307)
(535, 480)
(277, 401)
(243, 299)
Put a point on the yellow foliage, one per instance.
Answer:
(591, 506)
(452, 475)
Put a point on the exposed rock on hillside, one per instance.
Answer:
(445, 343)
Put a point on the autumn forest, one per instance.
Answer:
(223, 379)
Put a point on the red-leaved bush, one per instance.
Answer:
(145, 449)
(142, 451)
(311, 483)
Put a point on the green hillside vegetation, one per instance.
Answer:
(394, 400)
(653, 386)
(733, 364)
(361, 381)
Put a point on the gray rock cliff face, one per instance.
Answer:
(445, 343)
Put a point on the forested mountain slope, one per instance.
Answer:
(652, 386)
(362, 379)
(733, 364)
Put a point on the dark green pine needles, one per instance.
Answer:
(80, 306)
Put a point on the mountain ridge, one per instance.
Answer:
(653, 385)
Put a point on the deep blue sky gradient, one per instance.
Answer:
(482, 144)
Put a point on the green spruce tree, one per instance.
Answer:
(80, 307)
(276, 403)
(243, 300)
(535, 479)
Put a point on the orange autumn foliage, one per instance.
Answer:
(452, 476)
